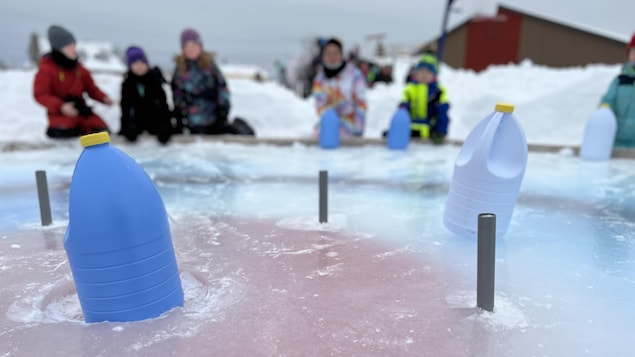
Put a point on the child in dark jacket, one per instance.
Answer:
(143, 102)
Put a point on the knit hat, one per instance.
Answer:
(631, 44)
(134, 54)
(429, 62)
(190, 35)
(333, 41)
(59, 37)
(321, 42)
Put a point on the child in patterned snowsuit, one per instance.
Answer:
(341, 86)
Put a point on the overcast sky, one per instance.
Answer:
(260, 31)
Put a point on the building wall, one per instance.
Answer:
(493, 40)
(482, 41)
(556, 45)
(455, 47)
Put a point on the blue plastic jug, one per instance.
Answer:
(118, 239)
(599, 135)
(399, 131)
(329, 129)
(488, 173)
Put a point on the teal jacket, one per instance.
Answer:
(621, 98)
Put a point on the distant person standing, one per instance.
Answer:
(621, 98)
(200, 92)
(339, 85)
(59, 86)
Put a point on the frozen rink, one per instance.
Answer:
(384, 277)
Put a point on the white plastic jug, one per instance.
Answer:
(599, 135)
(488, 173)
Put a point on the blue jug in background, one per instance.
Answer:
(118, 240)
(399, 130)
(329, 129)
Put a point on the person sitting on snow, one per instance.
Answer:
(60, 84)
(200, 92)
(426, 101)
(341, 86)
(411, 70)
(144, 105)
(621, 99)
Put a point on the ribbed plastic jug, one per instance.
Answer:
(329, 129)
(399, 131)
(599, 135)
(118, 239)
(487, 174)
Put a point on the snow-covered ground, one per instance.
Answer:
(552, 104)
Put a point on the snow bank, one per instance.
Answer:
(552, 104)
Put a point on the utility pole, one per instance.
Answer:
(444, 31)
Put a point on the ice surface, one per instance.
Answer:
(383, 277)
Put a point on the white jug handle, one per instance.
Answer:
(481, 154)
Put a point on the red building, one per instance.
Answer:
(512, 35)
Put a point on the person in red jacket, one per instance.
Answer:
(59, 86)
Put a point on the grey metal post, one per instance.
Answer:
(43, 196)
(324, 175)
(486, 261)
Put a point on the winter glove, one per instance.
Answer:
(84, 110)
(69, 109)
(80, 106)
(437, 137)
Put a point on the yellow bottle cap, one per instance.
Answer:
(504, 108)
(94, 139)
